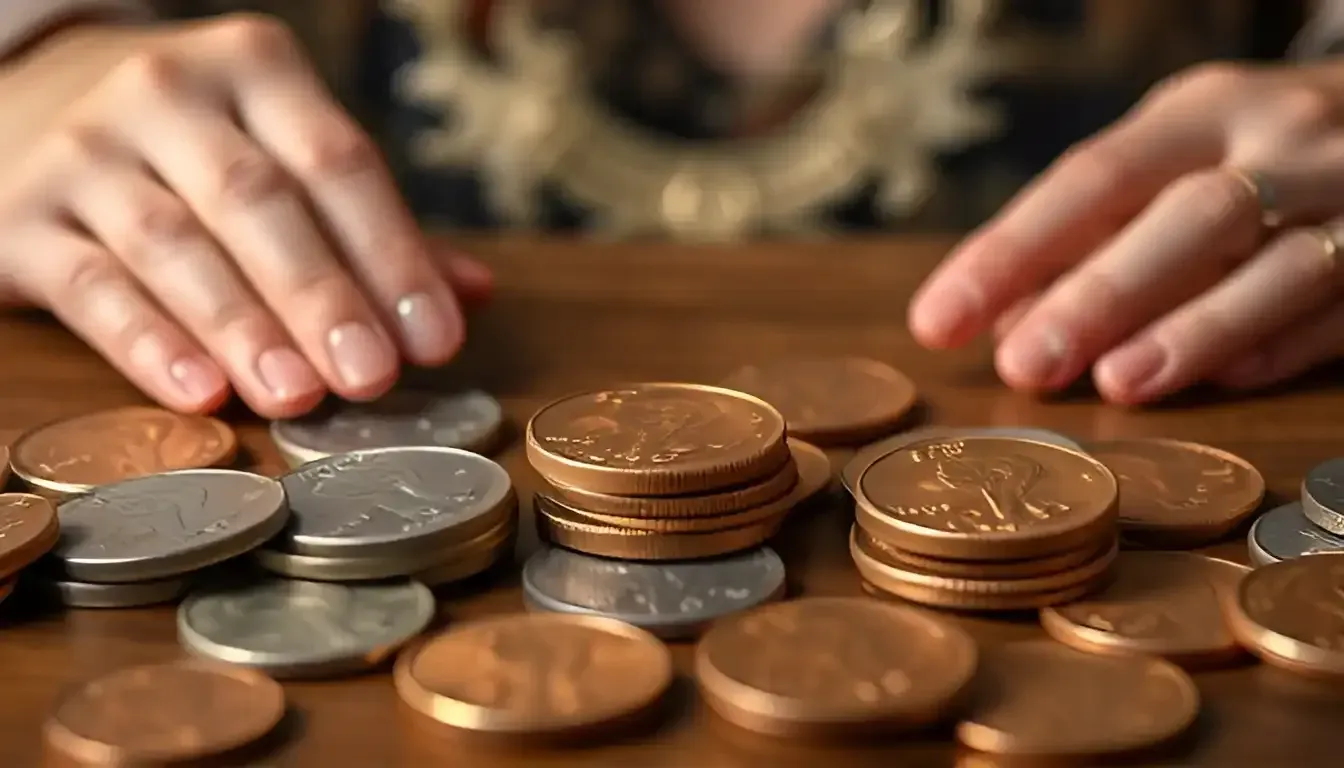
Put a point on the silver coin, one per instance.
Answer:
(468, 420)
(865, 457)
(304, 628)
(392, 501)
(1284, 533)
(671, 600)
(1323, 495)
(166, 525)
(315, 568)
(80, 594)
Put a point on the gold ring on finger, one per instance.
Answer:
(1266, 196)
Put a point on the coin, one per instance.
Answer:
(393, 502)
(986, 498)
(81, 594)
(1045, 700)
(1284, 533)
(824, 666)
(830, 401)
(28, 530)
(467, 565)
(886, 554)
(1323, 496)
(470, 420)
(535, 674)
(304, 628)
(78, 453)
(657, 440)
(1168, 604)
(4, 465)
(871, 453)
(165, 713)
(1180, 492)
(1291, 614)
(671, 600)
(166, 525)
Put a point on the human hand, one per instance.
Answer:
(1194, 240)
(208, 218)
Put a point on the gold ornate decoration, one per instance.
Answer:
(889, 101)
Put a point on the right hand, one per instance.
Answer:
(208, 218)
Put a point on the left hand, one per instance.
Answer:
(1194, 240)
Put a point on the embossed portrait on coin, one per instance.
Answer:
(1160, 478)
(133, 521)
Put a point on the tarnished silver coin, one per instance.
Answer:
(81, 594)
(389, 502)
(1323, 495)
(470, 420)
(871, 453)
(166, 525)
(671, 600)
(304, 628)
(1284, 533)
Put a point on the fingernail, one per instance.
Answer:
(199, 380)
(942, 317)
(1035, 362)
(362, 359)
(429, 332)
(285, 374)
(1133, 370)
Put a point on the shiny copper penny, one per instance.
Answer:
(76, 454)
(1176, 492)
(977, 569)
(831, 401)
(1043, 699)
(567, 527)
(657, 440)
(1291, 614)
(165, 713)
(28, 530)
(827, 666)
(535, 674)
(986, 498)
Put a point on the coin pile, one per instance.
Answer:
(1312, 525)
(667, 472)
(29, 528)
(985, 523)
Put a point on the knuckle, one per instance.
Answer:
(149, 73)
(256, 37)
(82, 145)
(1307, 255)
(1209, 197)
(320, 290)
(236, 316)
(1210, 80)
(250, 178)
(340, 151)
(157, 227)
(1091, 295)
(1302, 109)
(88, 273)
(1095, 164)
(1196, 331)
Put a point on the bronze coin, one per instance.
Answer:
(1180, 491)
(986, 498)
(657, 440)
(165, 713)
(1043, 699)
(972, 569)
(830, 401)
(1291, 614)
(534, 674)
(28, 530)
(1169, 604)
(75, 454)
(824, 666)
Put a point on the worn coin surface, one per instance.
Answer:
(826, 666)
(1169, 604)
(868, 454)
(165, 714)
(1291, 614)
(1179, 490)
(76, 454)
(394, 501)
(28, 530)
(1044, 699)
(534, 674)
(830, 401)
(671, 600)
(165, 525)
(1323, 496)
(986, 498)
(1284, 533)
(657, 440)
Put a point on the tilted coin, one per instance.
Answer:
(304, 628)
(470, 420)
(165, 714)
(165, 525)
(1045, 700)
(657, 440)
(82, 594)
(1323, 496)
(827, 666)
(986, 498)
(76, 454)
(830, 401)
(1180, 492)
(671, 600)
(534, 674)
(28, 530)
(1291, 614)
(1284, 533)
(394, 501)
(1168, 604)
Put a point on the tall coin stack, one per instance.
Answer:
(985, 523)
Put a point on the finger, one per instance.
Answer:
(1293, 352)
(471, 280)
(1008, 320)
(1292, 276)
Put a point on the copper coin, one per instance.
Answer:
(28, 530)
(535, 674)
(1169, 604)
(75, 454)
(657, 440)
(165, 713)
(986, 498)
(1044, 699)
(7, 588)
(4, 465)
(1174, 490)
(569, 528)
(830, 401)
(1291, 614)
(973, 569)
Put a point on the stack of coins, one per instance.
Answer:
(1312, 525)
(435, 514)
(985, 523)
(29, 528)
(667, 472)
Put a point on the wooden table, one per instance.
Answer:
(573, 315)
